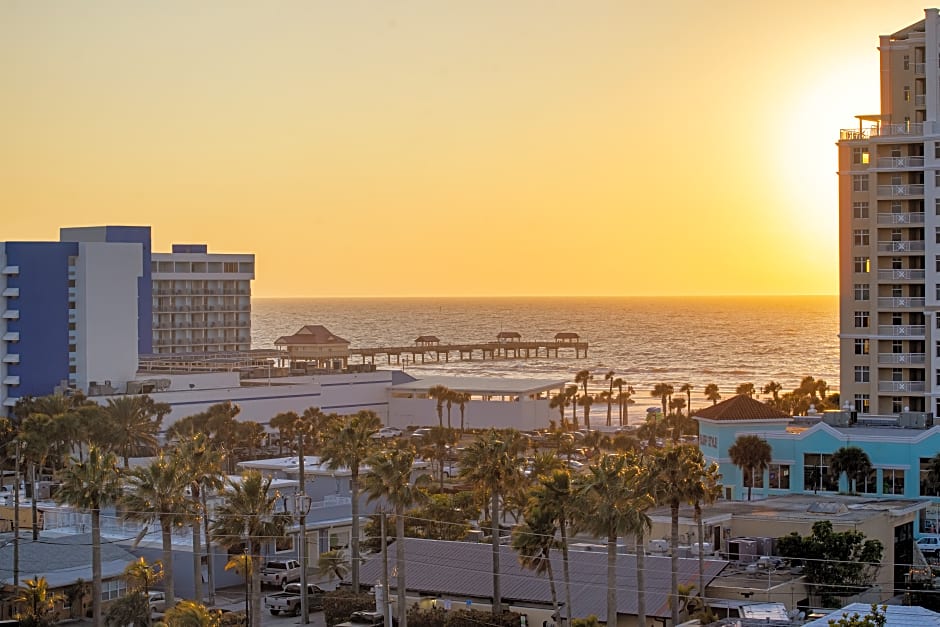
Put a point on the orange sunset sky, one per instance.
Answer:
(405, 148)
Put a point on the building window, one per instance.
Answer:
(897, 404)
(861, 319)
(861, 237)
(862, 291)
(113, 589)
(907, 93)
(816, 475)
(862, 265)
(892, 481)
(863, 403)
(860, 183)
(925, 488)
(867, 484)
(860, 156)
(779, 476)
(861, 346)
(862, 374)
(907, 62)
(860, 210)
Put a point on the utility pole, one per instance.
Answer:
(387, 610)
(303, 506)
(16, 515)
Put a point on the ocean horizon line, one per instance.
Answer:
(553, 296)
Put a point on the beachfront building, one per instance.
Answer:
(889, 233)
(900, 448)
(76, 314)
(201, 301)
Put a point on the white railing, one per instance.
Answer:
(901, 358)
(901, 386)
(901, 218)
(892, 130)
(901, 330)
(920, 100)
(900, 302)
(903, 246)
(901, 275)
(900, 162)
(919, 68)
(901, 190)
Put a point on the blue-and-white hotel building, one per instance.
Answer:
(899, 447)
(77, 313)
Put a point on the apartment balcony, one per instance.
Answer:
(11, 292)
(901, 358)
(11, 380)
(897, 130)
(901, 218)
(10, 271)
(919, 69)
(901, 191)
(902, 386)
(11, 401)
(900, 163)
(901, 330)
(11, 314)
(901, 275)
(903, 246)
(920, 100)
(12, 358)
(901, 302)
(11, 336)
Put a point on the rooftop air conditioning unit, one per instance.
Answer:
(742, 550)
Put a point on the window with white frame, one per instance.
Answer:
(778, 476)
(861, 346)
(861, 319)
(860, 156)
(860, 183)
(862, 291)
(862, 265)
(862, 374)
(892, 481)
(860, 210)
(863, 403)
(861, 237)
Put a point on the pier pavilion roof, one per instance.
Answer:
(310, 334)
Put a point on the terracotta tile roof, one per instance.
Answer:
(310, 334)
(741, 407)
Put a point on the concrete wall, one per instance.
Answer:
(524, 415)
(106, 309)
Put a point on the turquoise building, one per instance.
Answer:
(900, 448)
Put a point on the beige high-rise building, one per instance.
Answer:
(889, 233)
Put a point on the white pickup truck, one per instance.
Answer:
(288, 602)
(280, 572)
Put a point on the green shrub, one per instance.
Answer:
(339, 605)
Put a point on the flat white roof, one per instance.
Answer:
(483, 385)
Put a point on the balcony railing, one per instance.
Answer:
(901, 358)
(901, 386)
(919, 69)
(901, 275)
(901, 302)
(11, 292)
(900, 162)
(898, 191)
(11, 314)
(920, 100)
(12, 358)
(903, 246)
(916, 217)
(901, 330)
(11, 336)
(892, 130)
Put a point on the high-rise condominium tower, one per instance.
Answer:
(889, 233)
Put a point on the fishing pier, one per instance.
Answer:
(508, 345)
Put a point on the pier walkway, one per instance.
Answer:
(508, 346)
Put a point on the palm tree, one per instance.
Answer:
(439, 393)
(560, 402)
(284, 422)
(248, 516)
(619, 383)
(582, 378)
(609, 377)
(608, 508)
(773, 388)
(586, 401)
(534, 540)
(676, 471)
(662, 391)
(553, 497)
(156, 494)
(572, 393)
(626, 399)
(439, 441)
(333, 564)
(745, 389)
(677, 417)
(347, 444)
(854, 462)
(390, 480)
(134, 607)
(493, 465)
(687, 388)
(192, 614)
(131, 425)
(712, 393)
(92, 484)
(750, 453)
(38, 604)
(201, 465)
(462, 398)
(706, 488)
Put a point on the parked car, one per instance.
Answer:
(288, 601)
(280, 572)
(387, 432)
(929, 545)
(364, 618)
(157, 601)
(423, 432)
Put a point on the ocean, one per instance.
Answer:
(645, 341)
